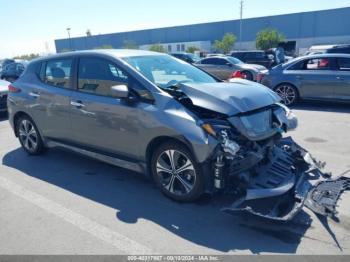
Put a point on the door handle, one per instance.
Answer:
(77, 104)
(34, 94)
(339, 78)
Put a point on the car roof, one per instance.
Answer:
(216, 56)
(179, 53)
(324, 55)
(118, 53)
(248, 51)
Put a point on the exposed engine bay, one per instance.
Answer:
(265, 174)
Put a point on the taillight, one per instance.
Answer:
(237, 74)
(259, 77)
(13, 89)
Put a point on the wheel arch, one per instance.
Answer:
(156, 142)
(16, 117)
(20, 114)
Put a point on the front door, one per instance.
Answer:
(99, 120)
(51, 98)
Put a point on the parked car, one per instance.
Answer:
(150, 113)
(12, 71)
(187, 57)
(5, 62)
(254, 57)
(3, 95)
(224, 67)
(314, 77)
(331, 49)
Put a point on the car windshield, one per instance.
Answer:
(194, 57)
(234, 60)
(165, 71)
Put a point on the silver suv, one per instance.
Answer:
(157, 115)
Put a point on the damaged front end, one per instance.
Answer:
(265, 174)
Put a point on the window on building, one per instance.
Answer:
(183, 48)
(169, 48)
(178, 48)
(58, 73)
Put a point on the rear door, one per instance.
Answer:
(218, 67)
(342, 87)
(315, 77)
(51, 98)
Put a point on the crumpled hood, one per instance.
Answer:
(238, 96)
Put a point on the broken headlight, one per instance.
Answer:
(286, 117)
(221, 130)
(214, 127)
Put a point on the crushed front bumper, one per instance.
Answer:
(291, 180)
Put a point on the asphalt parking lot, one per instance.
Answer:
(63, 203)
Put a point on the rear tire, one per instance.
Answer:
(288, 93)
(176, 173)
(248, 75)
(29, 136)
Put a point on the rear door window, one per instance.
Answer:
(344, 64)
(214, 61)
(318, 64)
(58, 72)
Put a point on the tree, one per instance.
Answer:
(129, 44)
(226, 44)
(157, 48)
(268, 38)
(27, 57)
(192, 49)
(104, 47)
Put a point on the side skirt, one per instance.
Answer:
(137, 167)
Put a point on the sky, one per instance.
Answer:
(31, 26)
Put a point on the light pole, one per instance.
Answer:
(70, 44)
(240, 24)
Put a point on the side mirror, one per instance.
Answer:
(229, 64)
(120, 91)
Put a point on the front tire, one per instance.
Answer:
(176, 172)
(29, 136)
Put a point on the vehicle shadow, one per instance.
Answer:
(323, 106)
(135, 197)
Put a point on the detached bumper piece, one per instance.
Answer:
(286, 182)
(323, 198)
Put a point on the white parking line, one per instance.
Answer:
(101, 232)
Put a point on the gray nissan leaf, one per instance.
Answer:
(188, 131)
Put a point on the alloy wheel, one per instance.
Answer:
(287, 93)
(28, 135)
(176, 172)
